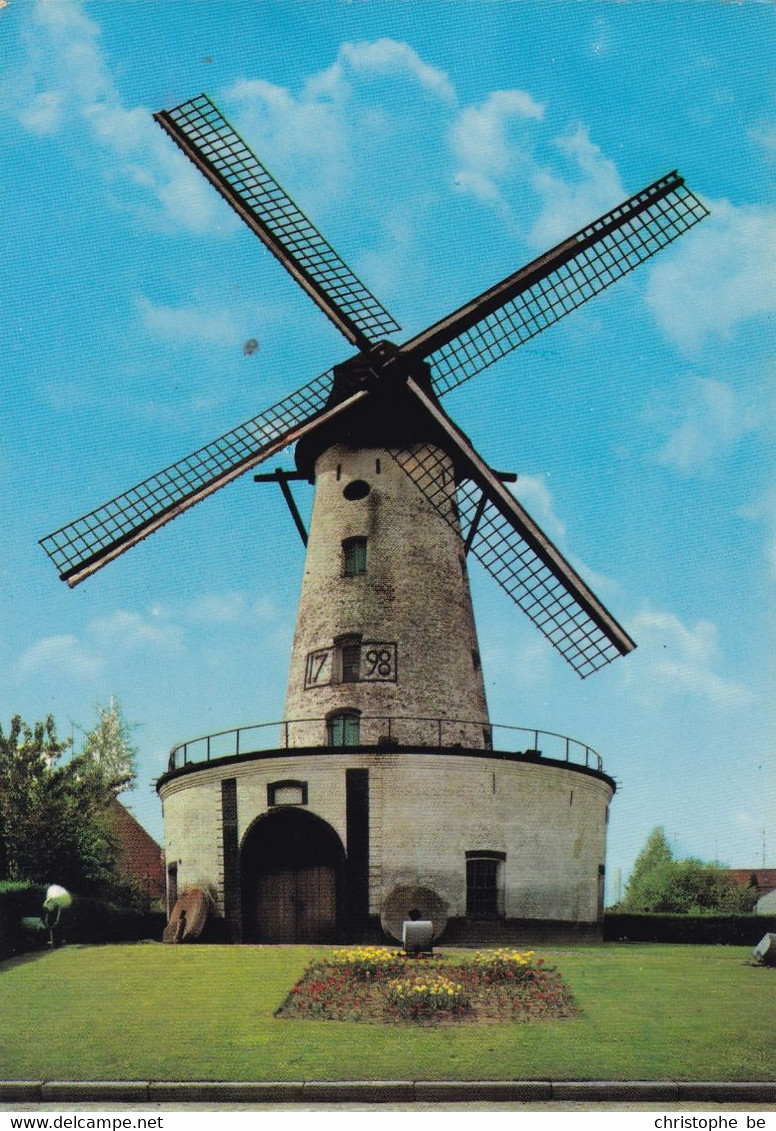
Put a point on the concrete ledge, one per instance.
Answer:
(474, 1091)
(95, 1091)
(734, 1091)
(225, 1091)
(609, 1091)
(20, 1091)
(360, 1091)
(601, 1092)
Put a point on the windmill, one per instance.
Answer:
(385, 652)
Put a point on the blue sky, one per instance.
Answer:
(439, 146)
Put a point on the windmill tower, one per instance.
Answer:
(385, 648)
(384, 790)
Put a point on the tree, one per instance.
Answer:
(682, 887)
(695, 888)
(650, 874)
(26, 755)
(109, 745)
(54, 823)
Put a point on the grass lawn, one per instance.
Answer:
(153, 1012)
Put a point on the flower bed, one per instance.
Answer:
(426, 996)
(381, 985)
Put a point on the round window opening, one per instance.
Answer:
(357, 489)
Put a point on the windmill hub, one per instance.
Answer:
(382, 364)
(388, 417)
(384, 779)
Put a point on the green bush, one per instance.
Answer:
(18, 901)
(88, 920)
(92, 920)
(736, 930)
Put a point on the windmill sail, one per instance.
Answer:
(88, 543)
(208, 140)
(514, 550)
(496, 528)
(541, 293)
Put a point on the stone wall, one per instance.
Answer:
(545, 821)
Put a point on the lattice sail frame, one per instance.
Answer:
(109, 530)
(206, 137)
(512, 548)
(559, 282)
(492, 538)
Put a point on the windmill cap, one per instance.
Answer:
(389, 417)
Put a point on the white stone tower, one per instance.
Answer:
(385, 649)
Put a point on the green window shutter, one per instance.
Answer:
(354, 556)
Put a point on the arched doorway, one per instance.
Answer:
(291, 864)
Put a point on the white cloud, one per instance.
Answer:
(381, 58)
(63, 69)
(43, 115)
(586, 186)
(183, 324)
(712, 421)
(764, 510)
(526, 656)
(719, 276)
(603, 41)
(505, 156)
(64, 81)
(126, 632)
(226, 608)
(765, 135)
(87, 657)
(534, 494)
(63, 654)
(393, 263)
(488, 143)
(219, 608)
(674, 658)
(264, 609)
(307, 136)
(389, 57)
(318, 137)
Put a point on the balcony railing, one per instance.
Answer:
(384, 732)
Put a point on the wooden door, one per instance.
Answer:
(275, 917)
(296, 904)
(315, 903)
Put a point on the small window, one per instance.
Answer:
(351, 663)
(354, 556)
(344, 728)
(484, 884)
(356, 489)
(287, 792)
(347, 665)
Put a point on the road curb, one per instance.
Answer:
(385, 1091)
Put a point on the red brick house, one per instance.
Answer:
(762, 879)
(141, 857)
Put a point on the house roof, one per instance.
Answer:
(764, 879)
